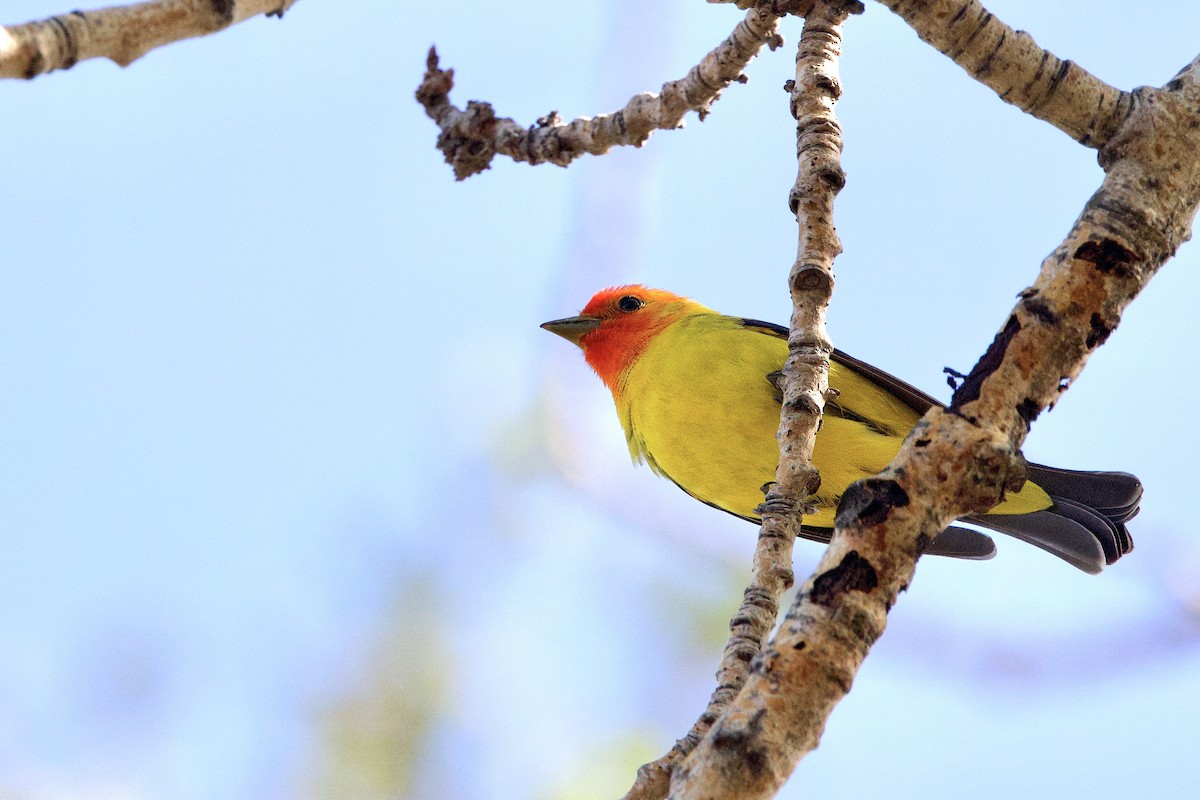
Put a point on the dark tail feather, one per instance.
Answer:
(1116, 495)
(959, 542)
(1086, 526)
(954, 542)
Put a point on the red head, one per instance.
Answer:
(617, 323)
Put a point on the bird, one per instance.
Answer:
(696, 393)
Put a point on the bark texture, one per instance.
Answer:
(960, 460)
(1013, 65)
(957, 461)
(122, 34)
(805, 381)
(772, 576)
(471, 138)
(739, 756)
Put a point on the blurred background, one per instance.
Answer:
(297, 501)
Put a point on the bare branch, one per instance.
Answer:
(120, 33)
(962, 459)
(471, 138)
(732, 761)
(806, 373)
(1013, 65)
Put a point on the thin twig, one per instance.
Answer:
(122, 34)
(819, 178)
(815, 91)
(471, 138)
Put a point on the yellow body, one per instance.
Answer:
(698, 407)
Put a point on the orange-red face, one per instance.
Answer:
(617, 323)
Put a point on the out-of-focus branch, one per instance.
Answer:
(961, 459)
(740, 757)
(470, 138)
(120, 33)
(1014, 66)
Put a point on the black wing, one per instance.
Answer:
(910, 395)
(954, 541)
(1086, 524)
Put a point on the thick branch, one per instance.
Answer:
(961, 460)
(471, 138)
(121, 33)
(1013, 65)
(731, 761)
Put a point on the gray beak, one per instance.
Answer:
(572, 328)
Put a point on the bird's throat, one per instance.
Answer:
(614, 348)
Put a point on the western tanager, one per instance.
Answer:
(696, 395)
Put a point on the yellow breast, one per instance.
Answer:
(698, 407)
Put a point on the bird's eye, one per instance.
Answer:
(629, 303)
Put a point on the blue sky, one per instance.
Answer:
(279, 432)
